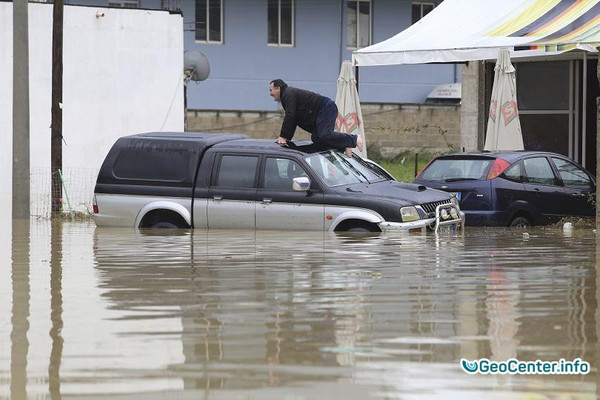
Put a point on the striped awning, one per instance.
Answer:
(465, 30)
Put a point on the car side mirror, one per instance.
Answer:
(301, 184)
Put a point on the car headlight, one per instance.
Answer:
(454, 201)
(409, 214)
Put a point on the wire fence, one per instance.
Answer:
(76, 186)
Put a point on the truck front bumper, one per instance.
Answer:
(443, 217)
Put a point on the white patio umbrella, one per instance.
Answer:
(349, 118)
(504, 126)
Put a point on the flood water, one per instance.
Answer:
(99, 313)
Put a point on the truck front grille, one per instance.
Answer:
(429, 208)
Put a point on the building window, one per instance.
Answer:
(209, 21)
(281, 22)
(359, 23)
(421, 9)
(124, 4)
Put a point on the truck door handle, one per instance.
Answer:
(218, 198)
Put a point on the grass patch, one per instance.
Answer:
(402, 167)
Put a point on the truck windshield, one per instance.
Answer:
(336, 170)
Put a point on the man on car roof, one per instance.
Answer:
(315, 114)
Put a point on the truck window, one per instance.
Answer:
(152, 163)
(280, 173)
(237, 171)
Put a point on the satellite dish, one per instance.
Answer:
(195, 66)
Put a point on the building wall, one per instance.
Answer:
(122, 75)
(243, 66)
(390, 129)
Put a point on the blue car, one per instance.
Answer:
(518, 188)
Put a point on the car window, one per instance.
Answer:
(366, 169)
(538, 170)
(334, 170)
(237, 171)
(455, 169)
(280, 173)
(514, 173)
(572, 175)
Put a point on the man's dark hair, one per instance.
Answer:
(278, 83)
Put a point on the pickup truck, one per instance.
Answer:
(219, 180)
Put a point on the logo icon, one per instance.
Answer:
(470, 367)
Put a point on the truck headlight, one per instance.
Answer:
(454, 201)
(453, 213)
(409, 214)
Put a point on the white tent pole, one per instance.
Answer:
(584, 118)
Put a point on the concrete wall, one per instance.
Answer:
(473, 106)
(390, 129)
(122, 75)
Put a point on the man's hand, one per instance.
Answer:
(281, 141)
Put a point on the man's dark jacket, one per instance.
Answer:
(301, 109)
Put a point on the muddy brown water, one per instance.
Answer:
(117, 313)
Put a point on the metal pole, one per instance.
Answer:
(342, 26)
(56, 124)
(356, 74)
(597, 154)
(584, 112)
(20, 174)
(573, 91)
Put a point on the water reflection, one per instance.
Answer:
(271, 314)
(55, 309)
(20, 309)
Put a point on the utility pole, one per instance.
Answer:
(20, 173)
(57, 94)
(598, 160)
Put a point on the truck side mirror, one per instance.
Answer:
(301, 184)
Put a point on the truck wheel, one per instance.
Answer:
(164, 225)
(358, 229)
(357, 226)
(163, 219)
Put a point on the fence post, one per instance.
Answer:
(416, 164)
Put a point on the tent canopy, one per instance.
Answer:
(467, 30)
